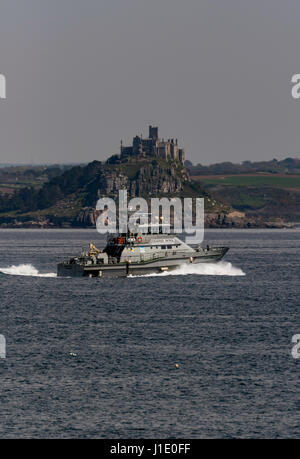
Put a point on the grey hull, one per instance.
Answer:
(140, 268)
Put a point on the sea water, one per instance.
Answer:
(201, 352)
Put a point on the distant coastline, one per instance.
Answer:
(262, 194)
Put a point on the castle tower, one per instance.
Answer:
(174, 150)
(137, 147)
(153, 132)
(181, 155)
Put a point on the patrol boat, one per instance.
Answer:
(138, 254)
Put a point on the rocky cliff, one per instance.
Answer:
(70, 199)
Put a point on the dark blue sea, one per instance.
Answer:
(96, 358)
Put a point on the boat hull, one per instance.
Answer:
(140, 268)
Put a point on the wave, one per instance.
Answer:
(222, 268)
(25, 270)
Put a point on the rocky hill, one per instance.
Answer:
(69, 199)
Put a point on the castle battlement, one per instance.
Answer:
(153, 146)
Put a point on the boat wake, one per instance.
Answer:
(222, 268)
(25, 270)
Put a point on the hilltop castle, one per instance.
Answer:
(153, 146)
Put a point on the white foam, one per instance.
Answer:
(25, 270)
(222, 268)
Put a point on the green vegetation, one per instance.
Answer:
(66, 193)
(131, 169)
(267, 202)
(58, 195)
(244, 201)
(14, 178)
(286, 166)
(253, 180)
(30, 199)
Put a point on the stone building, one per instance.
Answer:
(153, 146)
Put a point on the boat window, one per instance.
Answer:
(163, 246)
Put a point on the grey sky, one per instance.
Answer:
(81, 75)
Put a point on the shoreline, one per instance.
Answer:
(82, 229)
